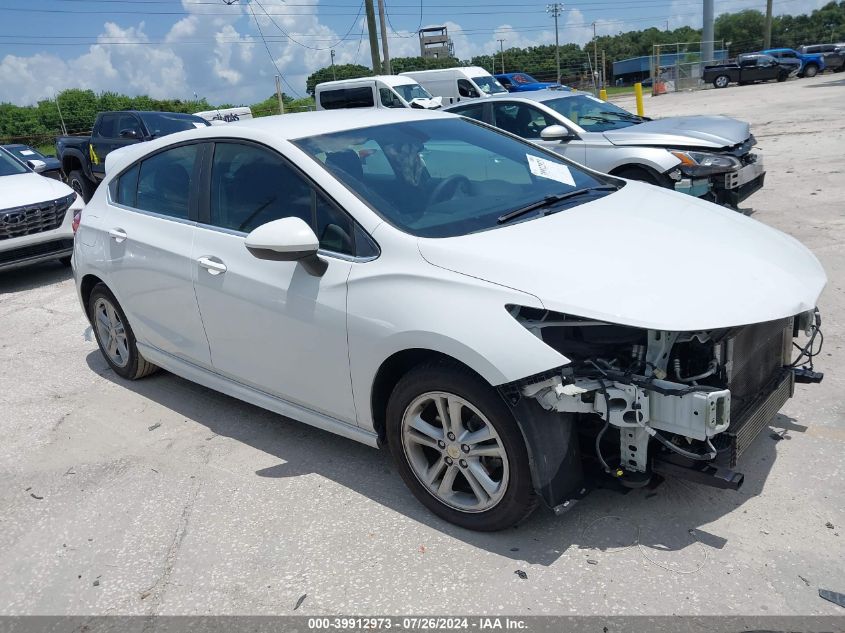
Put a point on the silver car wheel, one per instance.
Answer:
(722, 81)
(111, 332)
(455, 452)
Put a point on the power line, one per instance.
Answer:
(267, 47)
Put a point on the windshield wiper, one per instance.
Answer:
(625, 116)
(549, 201)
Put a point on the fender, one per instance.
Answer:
(83, 160)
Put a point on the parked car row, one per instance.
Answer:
(430, 281)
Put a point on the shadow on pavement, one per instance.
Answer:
(665, 518)
(35, 276)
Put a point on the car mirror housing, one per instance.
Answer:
(129, 133)
(287, 240)
(37, 166)
(556, 133)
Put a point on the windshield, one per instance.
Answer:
(488, 84)
(164, 123)
(412, 91)
(445, 177)
(10, 166)
(25, 153)
(594, 115)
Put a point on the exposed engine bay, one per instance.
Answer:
(671, 403)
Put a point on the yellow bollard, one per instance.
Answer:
(603, 94)
(638, 91)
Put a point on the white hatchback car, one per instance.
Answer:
(485, 307)
(36, 216)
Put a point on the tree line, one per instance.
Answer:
(741, 32)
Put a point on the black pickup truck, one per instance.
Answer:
(83, 158)
(748, 68)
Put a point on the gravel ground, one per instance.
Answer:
(162, 497)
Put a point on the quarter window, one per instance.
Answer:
(165, 181)
(127, 187)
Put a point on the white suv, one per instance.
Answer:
(36, 216)
(510, 324)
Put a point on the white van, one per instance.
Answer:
(225, 115)
(454, 84)
(381, 91)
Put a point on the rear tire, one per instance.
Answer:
(721, 81)
(476, 461)
(115, 336)
(80, 183)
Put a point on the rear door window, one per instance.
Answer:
(347, 98)
(165, 181)
(474, 111)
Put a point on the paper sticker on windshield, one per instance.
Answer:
(27, 152)
(547, 169)
(199, 125)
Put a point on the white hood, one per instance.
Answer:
(644, 257)
(22, 189)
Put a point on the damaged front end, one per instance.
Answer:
(648, 402)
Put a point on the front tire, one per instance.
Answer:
(811, 70)
(115, 336)
(459, 449)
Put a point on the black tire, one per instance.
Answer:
(810, 70)
(644, 175)
(80, 183)
(519, 499)
(137, 366)
(783, 77)
(721, 81)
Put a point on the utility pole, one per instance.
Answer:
(334, 72)
(279, 94)
(373, 32)
(502, 48)
(595, 58)
(61, 118)
(767, 36)
(603, 70)
(556, 9)
(386, 64)
(707, 32)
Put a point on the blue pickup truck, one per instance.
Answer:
(811, 63)
(83, 158)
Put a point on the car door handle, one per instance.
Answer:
(213, 267)
(118, 235)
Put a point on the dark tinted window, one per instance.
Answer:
(347, 98)
(466, 89)
(521, 119)
(166, 180)
(127, 187)
(475, 111)
(108, 126)
(251, 186)
(164, 123)
(127, 122)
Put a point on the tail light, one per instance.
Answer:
(77, 218)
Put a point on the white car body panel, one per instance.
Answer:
(741, 271)
(446, 295)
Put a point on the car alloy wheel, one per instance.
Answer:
(722, 81)
(455, 452)
(111, 332)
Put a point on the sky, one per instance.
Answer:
(214, 48)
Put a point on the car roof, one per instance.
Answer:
(537, 95)
(390, 80)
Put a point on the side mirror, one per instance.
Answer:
(287, 240)
(37, 166)
(129, 133)
(556, 133)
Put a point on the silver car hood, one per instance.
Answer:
(683, 131)
(644, 257)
